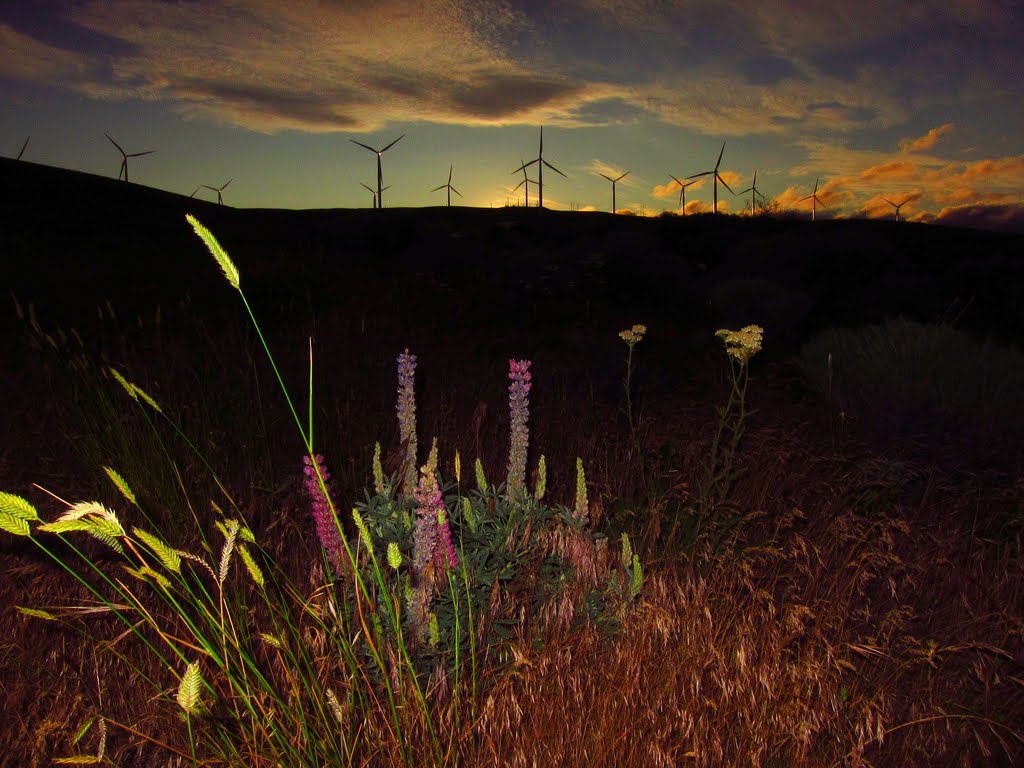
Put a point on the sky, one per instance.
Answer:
(874, 100)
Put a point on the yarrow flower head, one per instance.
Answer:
(407, 414)
(320, 505)
(743, 344)
(519, 409)
(634, 334)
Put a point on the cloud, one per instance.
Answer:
(927, 141)
(1006, 218)
(897, 170)
(30, 60)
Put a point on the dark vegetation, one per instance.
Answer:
(855, 601)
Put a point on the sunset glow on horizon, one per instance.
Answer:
(883, 103)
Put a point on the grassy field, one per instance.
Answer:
(833, 587)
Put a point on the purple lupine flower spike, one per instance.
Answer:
(407, 415)
(519, 409)
(320, 505)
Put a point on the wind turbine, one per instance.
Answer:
(682, 193)
(380, 175)
(125, 156)
(541, 162)
(197, 190)
(717, 177)
(753, 193)
(614, 182)
(23, 146)
(527, 181)
(449, 187)
(813, 197)
(373, 192)
(219, 190)
(897, 207)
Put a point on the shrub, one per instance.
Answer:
(904, 380)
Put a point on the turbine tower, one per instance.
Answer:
(682, 193)
(815, 202)
(380, 175)
(541, 162)
(897, 207)
(449, 187)
(219, 191)
(125, 156)
(614, 182)
(718, 178)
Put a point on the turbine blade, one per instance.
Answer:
(437, 188)
(623, 176)
(524, 166)
(364, 146)
(607, 177)
(369, 188)
(677, 181)
(456, 192)
(723, 182)
(114, 143)
(698, 175)
(720, 156)
(389, 146)
(549, 165)
(140, 154)
(23, 147)
(450, 169)
(226, 185)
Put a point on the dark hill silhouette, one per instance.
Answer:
(71, 240)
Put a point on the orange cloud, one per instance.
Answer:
(927, 141)
(1010, 168)
(898, 170)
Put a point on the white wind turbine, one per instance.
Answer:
(373, 192)
(380, 175)
(815, 202)
(614, 182)
(541, 162)
(897, 207)
(682, 193)
(125, 156)
(448, 186)
(718, 178)
(219, 191)
(752, 189)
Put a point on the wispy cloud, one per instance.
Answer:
(927, 141)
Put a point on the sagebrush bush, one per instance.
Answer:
(908, 380)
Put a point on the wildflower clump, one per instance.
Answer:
(519, 410)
